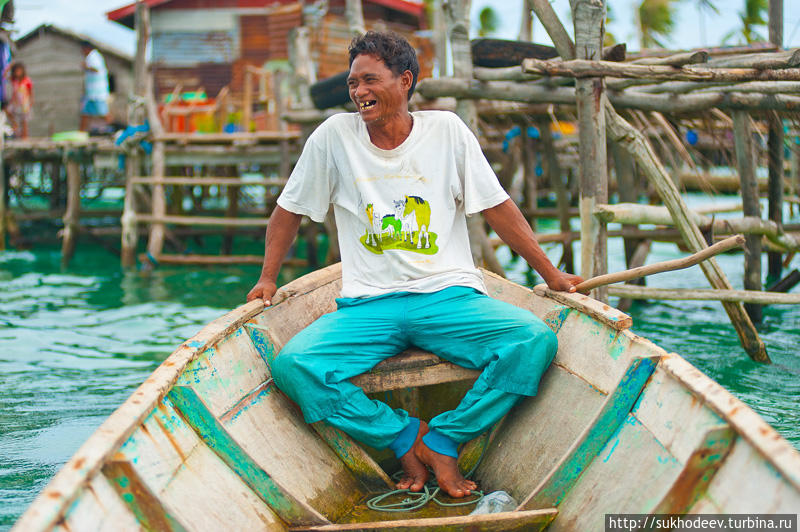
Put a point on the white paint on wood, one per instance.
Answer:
(674, 416)
(749, 425)
(597, 353)
(100, 508)
(271, 430)
(206, 495)
(537, 433)
(224, 374)
(630, 475)
(747, 484)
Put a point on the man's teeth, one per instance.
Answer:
(366, 105)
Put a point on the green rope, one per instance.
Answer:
(415, 500)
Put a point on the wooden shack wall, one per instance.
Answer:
(203, 46)
(54, 64)
(330, 42)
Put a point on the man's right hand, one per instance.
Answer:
(264, 289)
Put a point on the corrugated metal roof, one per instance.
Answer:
(188, 48)
(125, 14)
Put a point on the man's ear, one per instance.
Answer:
(407, 78)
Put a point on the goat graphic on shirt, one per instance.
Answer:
(406, 228)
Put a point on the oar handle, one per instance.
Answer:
(666, 266)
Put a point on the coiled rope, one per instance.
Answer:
(415, 500)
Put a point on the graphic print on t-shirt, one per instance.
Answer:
(406, 228)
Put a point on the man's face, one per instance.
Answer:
(379, 95)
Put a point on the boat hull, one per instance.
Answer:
(619, 426)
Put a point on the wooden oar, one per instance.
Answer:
(666, 266)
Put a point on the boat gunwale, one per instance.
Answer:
(54, 500)
(746, 422)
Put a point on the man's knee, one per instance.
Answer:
(285, 367)
(542, 340)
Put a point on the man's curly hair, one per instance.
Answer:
(391, 48)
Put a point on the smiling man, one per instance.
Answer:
(401, 185)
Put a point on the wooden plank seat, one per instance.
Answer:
(529, 521)
(412, 368)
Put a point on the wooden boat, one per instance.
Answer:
(619, 426)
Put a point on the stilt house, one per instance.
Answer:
(54, 62)
(207, 46)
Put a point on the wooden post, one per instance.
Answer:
(526, 22)
(642, 153)
(530, 194)
(589, 17)
(457, 13)
(355, 17)
(55, 186)
(794, 172)
(247, 99)
(231, 211)
(3, 195)
(136, 115)
(280, 108)
(440, 37)
(130, 235)
(73, 214)
(628, 192)
(743, 139)
(775, 147)
(556, 177)
(303, 73)
(155, 243)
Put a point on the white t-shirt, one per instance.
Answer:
(400, 213)
(96, 80)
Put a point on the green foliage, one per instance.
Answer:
(656, 22)
(755, 14)
(488, 21)
(609, 39)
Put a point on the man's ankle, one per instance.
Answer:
(439, 443)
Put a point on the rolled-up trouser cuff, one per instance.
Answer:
(405, 440)
(438, 442)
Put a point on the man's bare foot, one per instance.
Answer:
(446, 470)
(415, 474)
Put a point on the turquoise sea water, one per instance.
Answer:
(75, 343)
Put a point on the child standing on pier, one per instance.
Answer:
(20, 101)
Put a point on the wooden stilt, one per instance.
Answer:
(130, 235)
(794, 176)
(3, 196)
(155, 244)
(743, 138)
(553, 169)
(627, 190)
(457, 13)
(775, 187)
(247, 99)
(355, 17)
(588, 17)
(641, 151)
(55, 186)
(775, 146)
(440, 37)
(73, 213)
(231, 211)
(285, 166)
(530, 188)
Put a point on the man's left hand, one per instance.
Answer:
(563, 282)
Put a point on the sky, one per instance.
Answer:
(693, 30)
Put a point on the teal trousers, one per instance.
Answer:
(511, 347)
